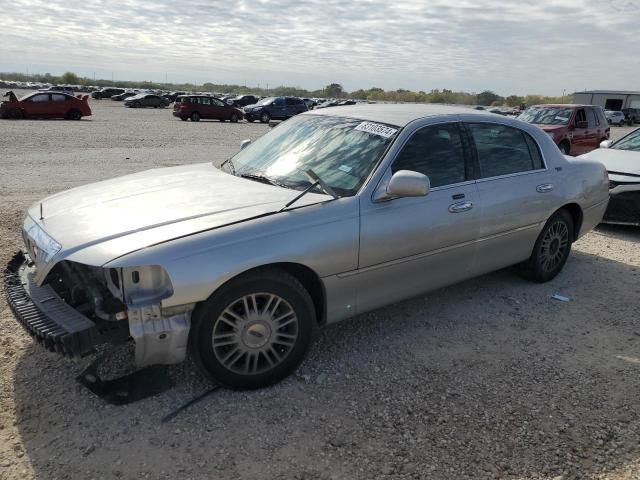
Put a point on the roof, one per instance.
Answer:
(399, 114)
(608, 92)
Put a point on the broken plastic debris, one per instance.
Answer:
(562, 298)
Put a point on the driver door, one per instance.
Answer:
(38, 105)
(411, 245)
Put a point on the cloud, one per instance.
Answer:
(544, 46)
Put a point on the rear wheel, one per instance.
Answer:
(73, 114)
(254, 331)
(565, 147)
(264, 117)
(234, 118)
(137, 104)
(184, 119)
(551, 249)
(195, 117)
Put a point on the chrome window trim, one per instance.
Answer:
(517, 174)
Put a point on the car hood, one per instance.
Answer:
(99, 222)
(625, 162)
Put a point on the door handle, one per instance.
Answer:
(544, 188)
(460, 207)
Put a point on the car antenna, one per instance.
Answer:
(41, 215)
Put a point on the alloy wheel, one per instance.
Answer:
(554, 246)
(255, 333)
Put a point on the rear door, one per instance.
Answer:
(580, 136)
(516, 192)
(595, 131)
(60, 105)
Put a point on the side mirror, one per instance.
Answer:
(405, 183)
(245, 143)
(605, 143)
(582, 124)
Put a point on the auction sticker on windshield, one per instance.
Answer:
(376, 129)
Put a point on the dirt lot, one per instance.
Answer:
(489, 379)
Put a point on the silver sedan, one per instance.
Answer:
(331, 214)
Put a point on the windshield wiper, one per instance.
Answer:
(228, 160)
(316, 181)
(262, 179)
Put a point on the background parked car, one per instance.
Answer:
(107, 92)
(576, 129)
(614, 117)
(196, 107)
(274, 108)
(622, 161)
(123, 96)
(632, 115)
(47, 105)
(146, 100)
(171, 96)
(58, 88)
(244, 100)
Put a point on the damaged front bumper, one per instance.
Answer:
(45, 316)
(624, 205)
(160, 335)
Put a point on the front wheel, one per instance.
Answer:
(254, 331)
(564, 147)
(264, 118)
(551, 249)
(15, 114)
(234, 118)
(195, 117)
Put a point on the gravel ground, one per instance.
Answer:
(489, 379)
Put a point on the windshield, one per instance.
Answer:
(630, 142)
(546, 115)
(266, 101)
(341, 151)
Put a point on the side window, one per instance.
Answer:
(591, 118)
(43, 97)
(56, 97)
(279, 102)
(580, 116)
(504, 150)
(216, 102)
(435, 151)
(290, 101)
(204, 101)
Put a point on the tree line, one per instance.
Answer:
(333, 90)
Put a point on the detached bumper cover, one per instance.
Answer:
(44, 315)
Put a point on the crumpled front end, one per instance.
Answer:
(624, 205)
(70, 307)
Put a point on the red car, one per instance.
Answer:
(45, 105)
(576, 129)
(196, 107)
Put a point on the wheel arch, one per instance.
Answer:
(309, 279)
(576, 215)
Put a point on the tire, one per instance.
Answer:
(551, 250)
(137, 105)
(565, 147)
(265, 117)
(195, 117)
(248, 354)
(234, 118)
(184, 119)
(15, 114)
(73, 114)
(251, 120)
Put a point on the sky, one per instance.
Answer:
(538, 46)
